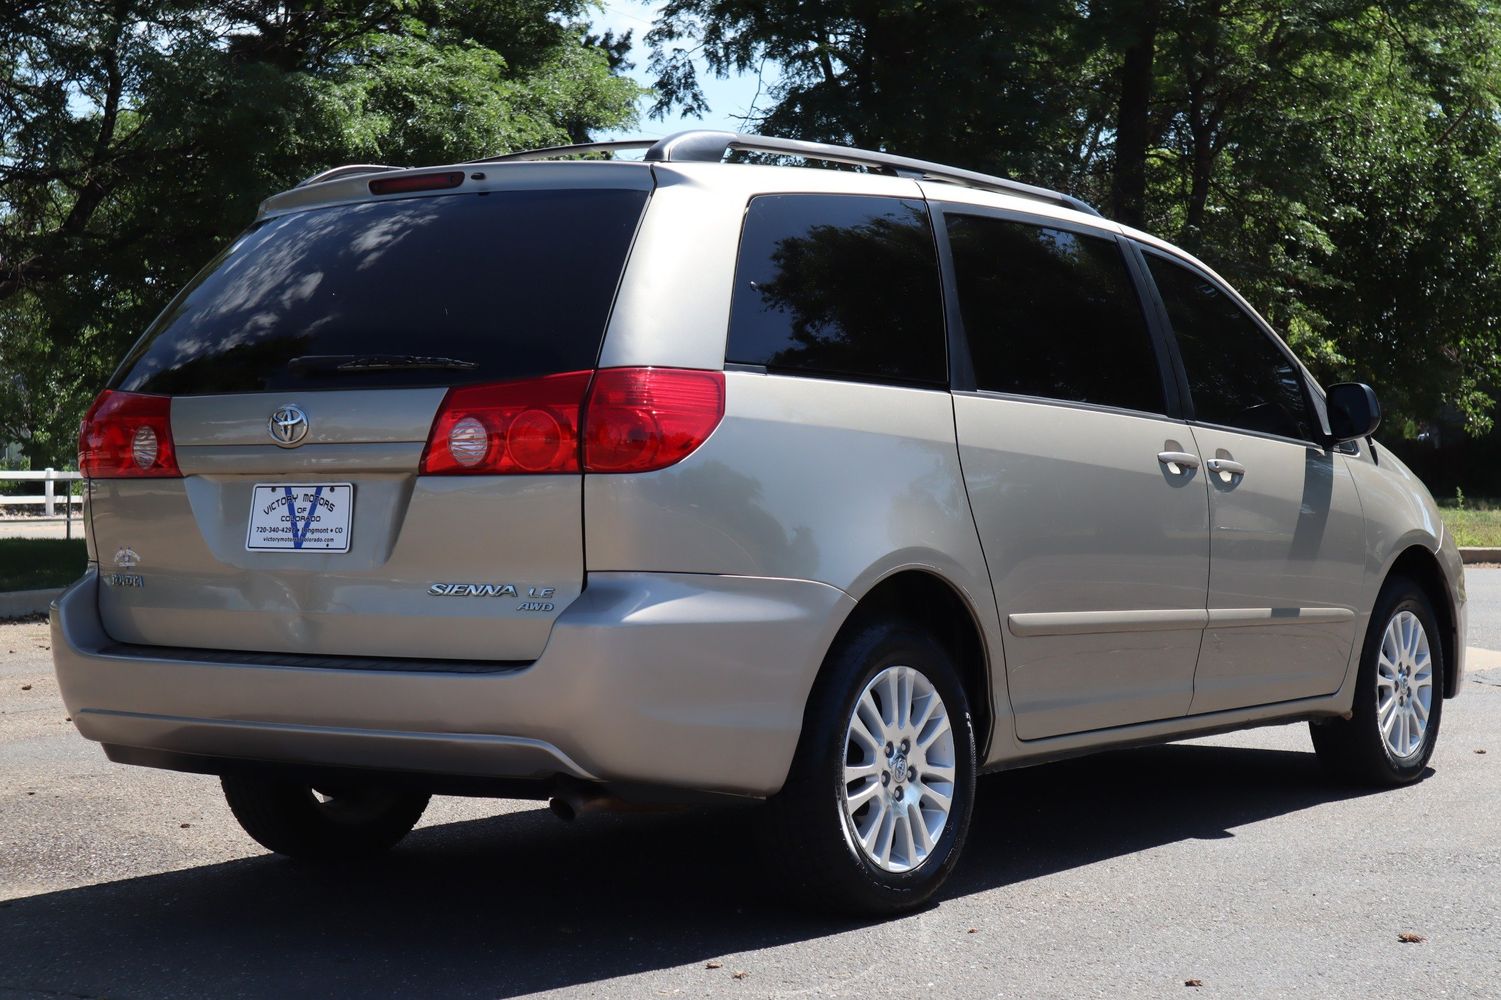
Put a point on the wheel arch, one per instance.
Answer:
(928, 600)
(1421, 566)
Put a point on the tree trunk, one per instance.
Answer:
(1205, 151)
(1204, 108)
(1128, 189)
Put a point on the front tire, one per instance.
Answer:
(1399, 695)
(321, 823)
(876, 807)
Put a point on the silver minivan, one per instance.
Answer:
(680, 480)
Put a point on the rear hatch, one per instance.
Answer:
(303, 372)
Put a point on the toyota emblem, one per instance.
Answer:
(288, 425)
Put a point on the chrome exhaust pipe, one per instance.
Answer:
(573, 800)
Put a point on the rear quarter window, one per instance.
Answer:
(841, 287)
(520, 283)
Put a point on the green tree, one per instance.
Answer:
(136, 136)
(1337, 159)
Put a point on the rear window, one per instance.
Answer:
(839, 286)
(507, 284)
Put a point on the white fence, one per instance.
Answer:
(49, 500)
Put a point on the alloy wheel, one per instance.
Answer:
(899, 769)
(1404, 685)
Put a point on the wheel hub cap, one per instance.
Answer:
(899, 770)
(1404, 685)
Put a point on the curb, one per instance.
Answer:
(20, 603)
(1480, 555)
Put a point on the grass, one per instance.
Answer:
(1477, 523)
(40, 563)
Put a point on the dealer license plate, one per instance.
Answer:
(300, 517)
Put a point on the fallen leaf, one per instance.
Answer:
(1408, 937)
(973, 930)
(741, 974)
(25, 687)
(713, 965)
(1193, 982)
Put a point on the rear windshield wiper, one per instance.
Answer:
(377, 363)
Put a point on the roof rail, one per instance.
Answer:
(706, 146)
(556, 152)
(348, 170)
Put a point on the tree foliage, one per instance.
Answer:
(136, 136)
(1336, 159)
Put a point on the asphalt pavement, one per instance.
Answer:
(40, 527)
(1229, 861)
(1483, 588)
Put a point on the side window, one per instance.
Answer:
(1236, 375)
(840, 286)
(1052, 313)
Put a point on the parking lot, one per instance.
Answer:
(1227, 861)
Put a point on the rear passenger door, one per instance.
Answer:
(1287, 558)
(1087, 491)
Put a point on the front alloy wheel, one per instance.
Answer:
(1393, 723)
(1404, 685)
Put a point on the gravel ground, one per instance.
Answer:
(1228, 861)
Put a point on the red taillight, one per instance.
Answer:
(417, 182)
(508, 427)
(127, 435)
(633, 420)
(640, 419)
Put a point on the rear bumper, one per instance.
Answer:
(689, 681)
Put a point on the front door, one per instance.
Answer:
(1287, 543)
(1091, 505)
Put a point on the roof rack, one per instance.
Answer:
(705, 146)
(555, 152)
(349, 169)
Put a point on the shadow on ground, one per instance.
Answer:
(522, 902)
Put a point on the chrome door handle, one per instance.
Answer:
(1225, 466)
(1186, 459)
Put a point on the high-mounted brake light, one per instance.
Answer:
(127, 435)
(417, 182)
(529, 426)
(621, 419)
(640, 419)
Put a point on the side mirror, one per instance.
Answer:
(1354, 411)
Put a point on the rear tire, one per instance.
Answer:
(1399, 695)
(876, 807)
(322, 824)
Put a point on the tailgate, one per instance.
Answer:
(466, 567)
(356, 320)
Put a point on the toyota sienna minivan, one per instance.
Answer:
(676, 479)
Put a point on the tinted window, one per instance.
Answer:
(839, 286)
(1052, 313)
(520, 283)
(1236, 375)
